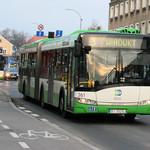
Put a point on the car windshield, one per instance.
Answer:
(11, 70)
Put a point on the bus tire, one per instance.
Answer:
(130, 117)
(42, 103)
(61, 106)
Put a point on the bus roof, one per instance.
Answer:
(69, 40)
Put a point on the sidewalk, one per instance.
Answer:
(4, 96)
(21, 130)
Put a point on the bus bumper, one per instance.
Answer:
(101, 109)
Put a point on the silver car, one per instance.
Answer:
(11, 73)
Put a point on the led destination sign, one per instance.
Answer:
(121, 42)
(102, 41)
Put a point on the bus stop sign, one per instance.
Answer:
(59, 33)
(40, 33)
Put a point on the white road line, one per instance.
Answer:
(35, 115)
(24, 145)
(13, 134)
(5, 127)
(1, 121)
(43, 119)
(21, 107)
(27, 111)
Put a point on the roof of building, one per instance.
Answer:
(5, 39)
(36, 38)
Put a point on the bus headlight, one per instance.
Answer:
(86, 101)
(144, 102)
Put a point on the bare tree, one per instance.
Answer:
(14, 37)
(94, 26)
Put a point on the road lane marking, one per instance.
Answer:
(24, 145)
(44, 119)
(13, 134)
(21, 107)
(27, 111)
(5, 127)
(33, 135)
(35, 115)
(1, 121)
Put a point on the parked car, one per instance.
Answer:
(11, 73)
(1, 74)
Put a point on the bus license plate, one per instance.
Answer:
(117, 111)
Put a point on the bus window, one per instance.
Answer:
(57, 70)
(64, 65)
(22, 59)
(25, 59)
(51, 59)
(47, 58)
(43, 59)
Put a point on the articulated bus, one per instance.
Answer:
(89, 72)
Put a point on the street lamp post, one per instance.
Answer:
(78, 14)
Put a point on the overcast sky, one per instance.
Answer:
(21, 14)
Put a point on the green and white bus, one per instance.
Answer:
(89, 72)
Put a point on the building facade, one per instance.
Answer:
(6, 47)
(130, 14)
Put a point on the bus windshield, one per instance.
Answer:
(125, 61)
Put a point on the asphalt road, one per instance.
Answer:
(107, 133)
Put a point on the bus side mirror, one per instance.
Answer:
(78, 47)
(87, 49)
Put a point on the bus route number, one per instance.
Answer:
(80, 95)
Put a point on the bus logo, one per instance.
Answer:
(118, 92)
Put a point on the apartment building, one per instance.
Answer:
(130, 14)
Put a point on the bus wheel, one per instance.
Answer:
(130, 117)
(61, 107)
(42, 103)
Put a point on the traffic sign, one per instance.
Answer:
(40, 33)
(11, 61)
(59, 33)
(40, 27)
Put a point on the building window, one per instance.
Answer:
(1, 50)
(131, 25)
(121, 9)
(143, 27)
(144, 4)
(116, 11)
(4, 51)
(137, 26)
(126, 7)
(148, 27)
(138, 5)
(111, 12)
(132, 6)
